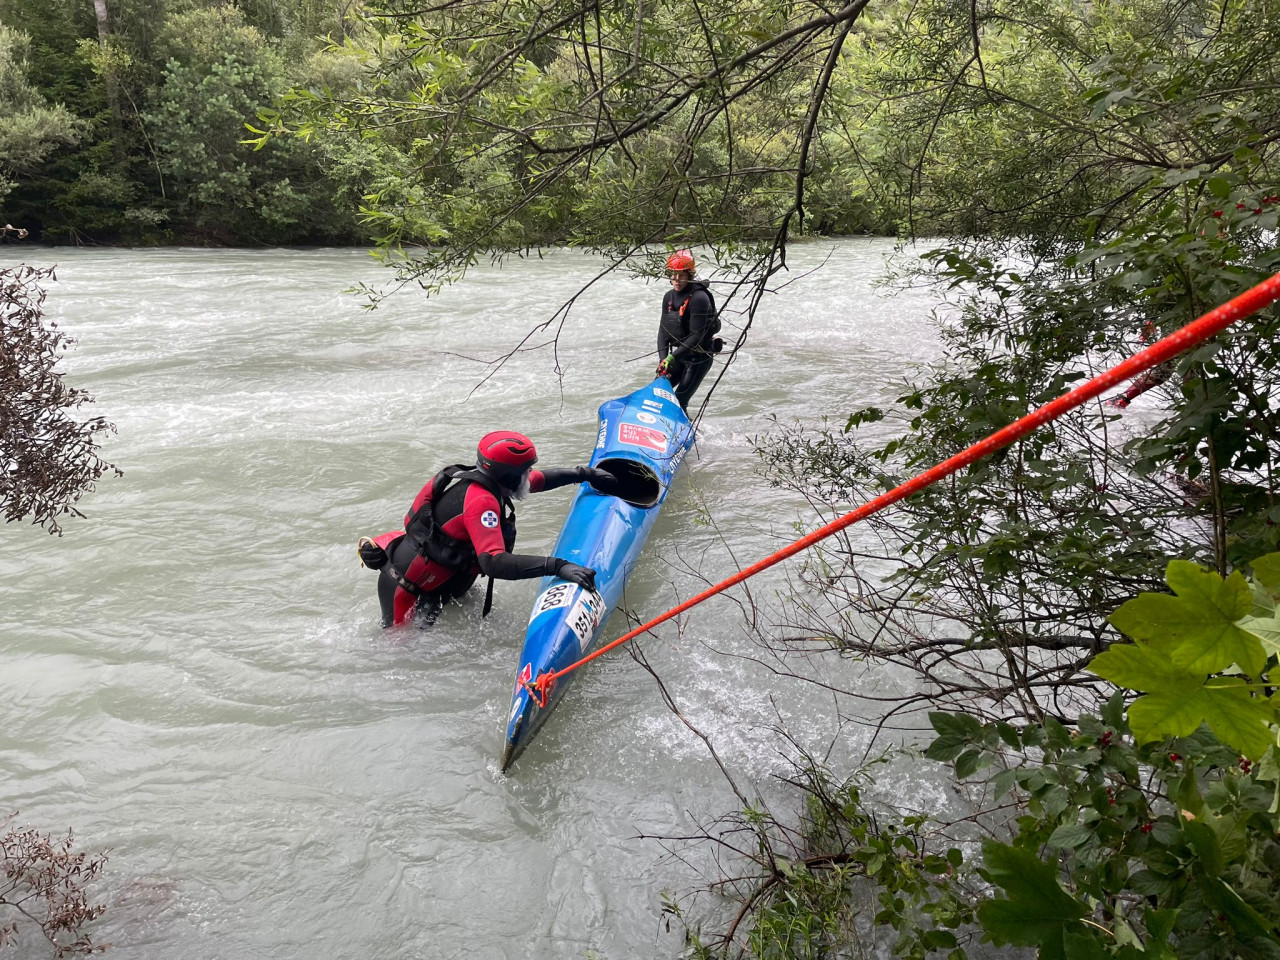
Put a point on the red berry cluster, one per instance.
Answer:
(1245, 765)
(1264, 202)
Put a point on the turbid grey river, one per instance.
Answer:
(194, 678)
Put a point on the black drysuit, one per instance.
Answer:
(686, 333)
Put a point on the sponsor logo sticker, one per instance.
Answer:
(644, 416)
(489, 519)
(651, 405)
(635, 435)
(665, 394)
(525, 675)
(602, 435)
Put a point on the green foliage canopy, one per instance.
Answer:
(32, 128)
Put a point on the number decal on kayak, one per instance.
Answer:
(585, 616)
(560, 595)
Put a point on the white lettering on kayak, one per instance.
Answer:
(635, 435)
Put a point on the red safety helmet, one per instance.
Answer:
(681, 260)
(505, 455)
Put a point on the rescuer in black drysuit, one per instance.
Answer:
(687, 339)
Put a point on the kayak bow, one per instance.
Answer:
(642, 440)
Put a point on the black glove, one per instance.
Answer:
(602, 480)
(582, 576)
(372, 555)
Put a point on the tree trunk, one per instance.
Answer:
(109, 77)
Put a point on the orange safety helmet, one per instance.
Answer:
(681, 260)
(505, 456)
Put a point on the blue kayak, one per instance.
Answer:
(642, 440)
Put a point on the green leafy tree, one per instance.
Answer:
(1147, 142)
(131, 176)
(1096, 173)
(219, 72)
(505, 127)
(32, 128)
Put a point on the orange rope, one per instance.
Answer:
(1189, 336)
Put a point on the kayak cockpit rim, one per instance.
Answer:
(638, 484)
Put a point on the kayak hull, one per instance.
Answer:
(642, 439)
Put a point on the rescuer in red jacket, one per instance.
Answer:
(463, 525)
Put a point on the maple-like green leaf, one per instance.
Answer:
(1238, 717)
(1266, 629)
(1141, 667)
(1169, 714)
(1085, 943)
(1264, 604)
(1226, 704)
(1266, 570)
(1196, 628)
(1190, 581)
(1036, 911)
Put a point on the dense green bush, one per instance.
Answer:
(32, 127)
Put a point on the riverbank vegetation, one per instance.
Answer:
(130, 117)
(1089, 616)
(48, 448)
(1118, 179)
(420, 127)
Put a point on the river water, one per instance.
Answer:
(194, 678)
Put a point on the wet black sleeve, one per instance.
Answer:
(699, 319)
(553, 477)
(516, 566)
